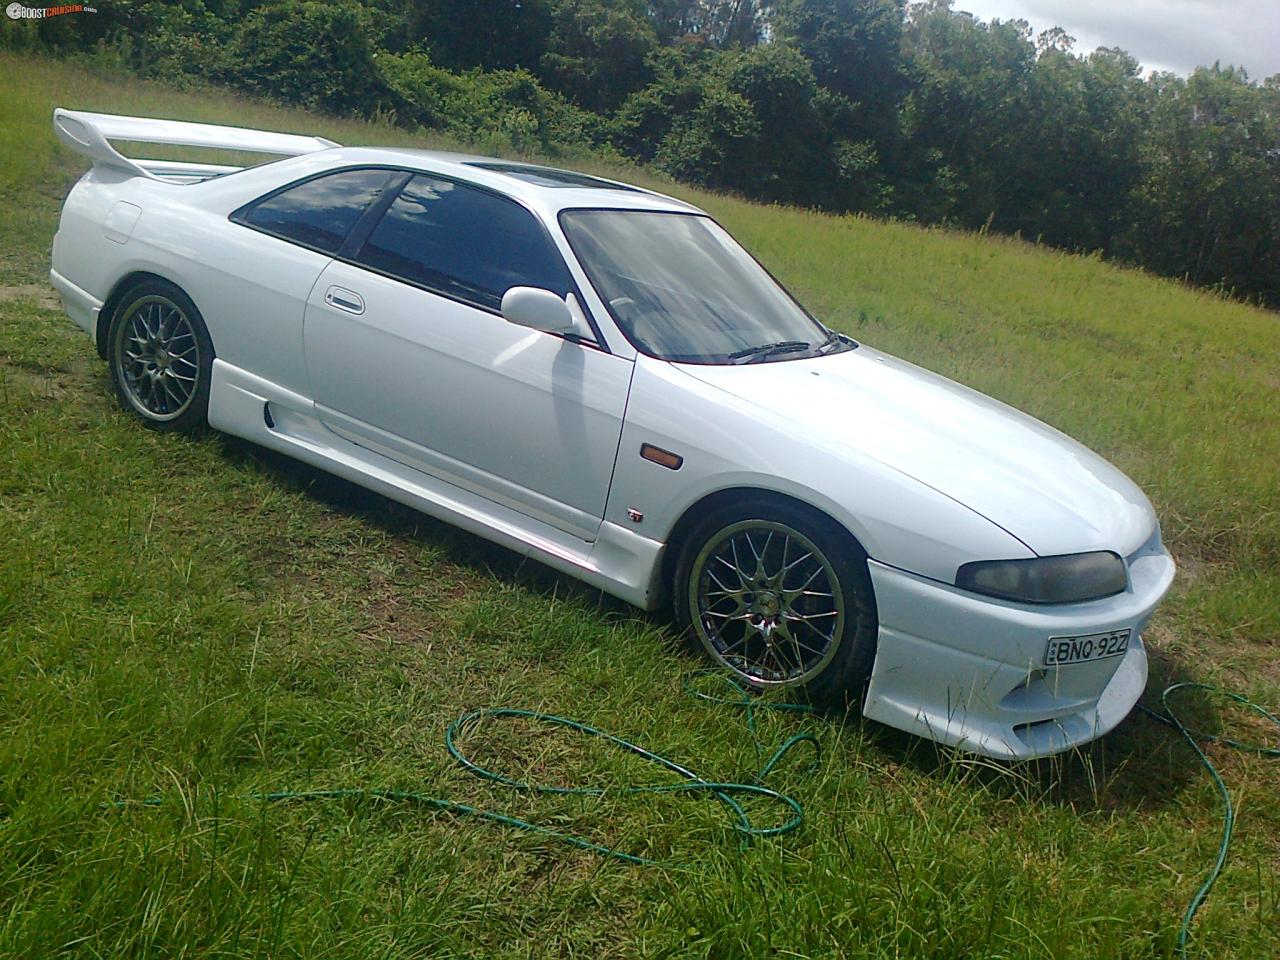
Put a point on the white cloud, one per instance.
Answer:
(1176, 35)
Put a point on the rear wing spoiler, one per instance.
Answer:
(89, 133)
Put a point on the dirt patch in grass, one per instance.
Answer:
(394, 618)
(30, 382)
(46, 382)
(41, 293)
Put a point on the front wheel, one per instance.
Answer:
(781, 597)
(161, 357)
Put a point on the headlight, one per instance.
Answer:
(1069, 579)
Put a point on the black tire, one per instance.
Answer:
(161, 357)
(755, 624)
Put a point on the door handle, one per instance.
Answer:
(344, 299)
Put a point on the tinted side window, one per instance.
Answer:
(464, 243)
(318, 213)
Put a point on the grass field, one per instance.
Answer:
(200, 620)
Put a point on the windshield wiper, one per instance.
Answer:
(768, 349)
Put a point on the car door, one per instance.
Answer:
(260, 277)
(408, 355)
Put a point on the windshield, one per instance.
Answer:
(682, 289)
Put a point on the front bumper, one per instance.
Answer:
(969, 671)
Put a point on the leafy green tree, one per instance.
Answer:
(174, 40)
(686, 120)
(855, 47)
(500, 111)
(964, 121)
(1079, 158)
(490, 34)
(785, 153)
(313, 54)
(1208, 207)
(750, 121)
(924, 113)
(597, 51)
(1019, 135)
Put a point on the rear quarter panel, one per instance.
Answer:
(81, 251)
(250, 289)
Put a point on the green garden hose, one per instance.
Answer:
(1193, 737)
(723, 791)
(726, 791)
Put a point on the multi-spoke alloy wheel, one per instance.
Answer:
(767, 603)
(160, 357)
(779, 600)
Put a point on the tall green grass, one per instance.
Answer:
(200, 620)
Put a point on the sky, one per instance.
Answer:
(1176, 35)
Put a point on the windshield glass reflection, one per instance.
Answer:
(682, 289)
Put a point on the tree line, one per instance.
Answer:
(916, 112)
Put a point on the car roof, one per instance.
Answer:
(549, 188)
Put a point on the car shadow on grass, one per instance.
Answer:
(1142, 764)
(466, 550)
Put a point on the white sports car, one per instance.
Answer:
(598, 376)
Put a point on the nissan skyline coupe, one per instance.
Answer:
(600, 377)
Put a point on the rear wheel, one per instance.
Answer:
(161, 357)
(778, 595)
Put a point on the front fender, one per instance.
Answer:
(898, 520)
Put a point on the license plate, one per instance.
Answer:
(1093, 646)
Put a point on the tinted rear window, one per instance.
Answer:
(317, 213)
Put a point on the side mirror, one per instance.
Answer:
(538, 310)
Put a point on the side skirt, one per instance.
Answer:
(619, 561)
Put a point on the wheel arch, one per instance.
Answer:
(122, 286)
(688, 520)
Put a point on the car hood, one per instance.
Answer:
(1047, 490)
